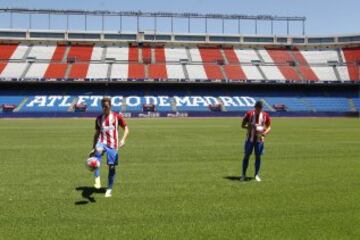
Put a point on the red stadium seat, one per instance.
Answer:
(210, 55)
(136, 71)
(56, 70)
(352, 58)
(79, 70)
(157, 71)
(213, 71)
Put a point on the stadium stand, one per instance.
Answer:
(158, 62)
(230, 68)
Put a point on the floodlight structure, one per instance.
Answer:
(155, 16)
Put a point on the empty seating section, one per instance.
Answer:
(304, 69)
(7, 50)
(10, 99)
(265, 56)
(56, 70)
(97, 71)
(356, 102)
(210, 55)
(213, 71)
(133, 54)
(37, 70)
(146, 54)
(175, 71)
(329, 104)
(13, 70)
(234, 72)
(19, 53)
(2, 66)
(80, 53)
(320, 56)
(279, 56)
(251, 72)
(136, 70)
(246, 55)
(289, 73)
(195, 55)
(272, 72)
(196, 72)
(42, 52)
(343, 73)
(79, 70)
(117, 53)
(160, 55)
(352, 59)
(59, 53)
(119, 71)
(97, 53)
(158, 70)
(291, 103)
(282, 57)
(175, 54)
(325, 73)
(163, 62)
(181, 100)
(230, 56)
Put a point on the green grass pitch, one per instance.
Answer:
(176, 180)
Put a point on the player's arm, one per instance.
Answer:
(124, 126)
(267, 126)
(245, 122)
(96, 137)
(124, 137)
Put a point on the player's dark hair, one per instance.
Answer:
(106, 99)
(259, 104)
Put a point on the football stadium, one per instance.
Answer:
(181, 95)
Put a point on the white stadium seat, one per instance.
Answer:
(119, 53)
(42, 52)
(195, 55)
(246, 55)
(13, 70)
(272, 73)
(265, 55)
(37, 70)
(317, 56)
(343, 72)
(96, 71)
(20, 52)
(175, 71)
(325, 73)
(196, 72)
(119, 71)
(175, 54)
(97, 53)
(252, 73)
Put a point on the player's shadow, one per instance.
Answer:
(86, 193)
(237, 178)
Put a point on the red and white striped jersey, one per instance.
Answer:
(108, 127)
(262, 119)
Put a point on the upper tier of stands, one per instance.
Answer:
(191, 63)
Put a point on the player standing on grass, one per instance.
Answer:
(106, 141)
(257, 124)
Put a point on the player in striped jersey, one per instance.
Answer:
(106, 140)
(258, 126)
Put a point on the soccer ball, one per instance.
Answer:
(259, 130)
(92, 163)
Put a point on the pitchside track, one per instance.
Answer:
(178, 179)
